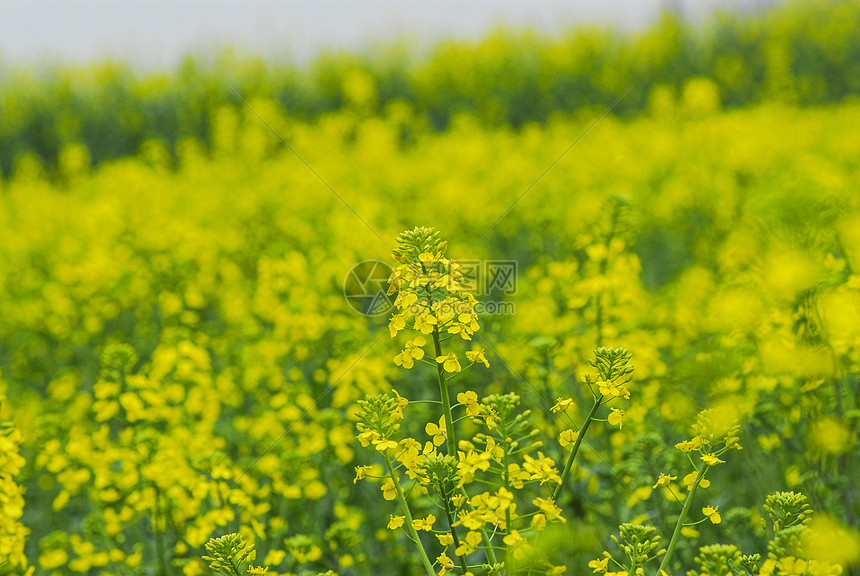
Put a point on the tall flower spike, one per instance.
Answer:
(431, 297)
(379, 419)
(420, 240)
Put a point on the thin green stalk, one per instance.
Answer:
(446, 401)
(509, 552)
(453, 532)
(684, 511)
(450, 433)
(572, 456)
(404, 506)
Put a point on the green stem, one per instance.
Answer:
(572, 456)
(451, 435)
(453, 531)
(509, 551)
(684, 511)
(446, 401)
(404, 506)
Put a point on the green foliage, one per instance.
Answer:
(804, 52)
(181, 362)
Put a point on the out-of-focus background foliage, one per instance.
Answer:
(171, 278)
(803, 53)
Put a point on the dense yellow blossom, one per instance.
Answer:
(180, 360)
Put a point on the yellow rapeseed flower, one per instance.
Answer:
(470, 400)
(397, 323)
(562, 405)
(568, 437)
(449, 362)
(478, 357)
(690, 479)
(541, 468)
(513, 539)
(712, 512)
(445, 539)
(664, 480)
(360, 473)
(689, 445)
(425, 323)
(413, 350)
(424, 523)
(389, 491)
(712, 460)
(550, 510)
(382, 445)
(445, 564)
(469, 543)
(437, 431)
(616, 418)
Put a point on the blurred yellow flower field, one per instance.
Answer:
(179, 361)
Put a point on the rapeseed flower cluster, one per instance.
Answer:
(431, 299)
(12, 532)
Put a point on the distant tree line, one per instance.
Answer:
(802, 53)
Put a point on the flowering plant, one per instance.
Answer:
(496, 490)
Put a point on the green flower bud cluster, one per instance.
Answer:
(378, 420)
(207, 462)
(714, 428)
(228, 554)
(440, 473)
(302, 548)
(717, 559)
(749, 562)
(510, 429)
(118, 360)
(341, 536)
(612, 363)
(496, 569)
(787, 509)
(639, 544)
(412, 243)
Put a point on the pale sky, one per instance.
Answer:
(157, 33)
